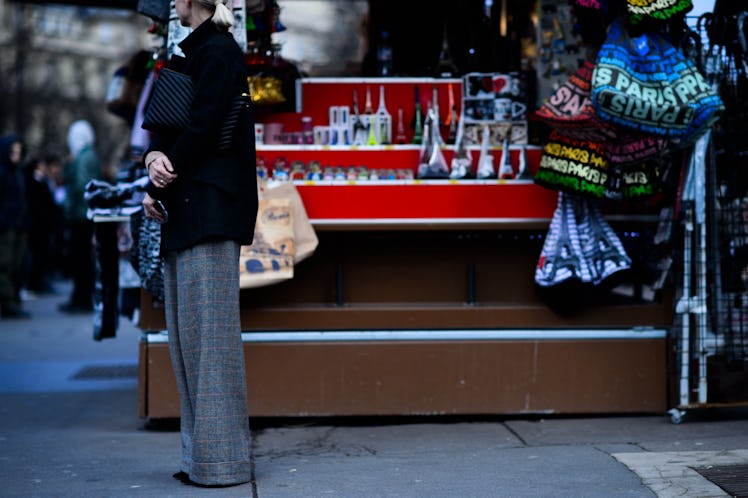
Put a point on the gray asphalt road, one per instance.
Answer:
(69, 428)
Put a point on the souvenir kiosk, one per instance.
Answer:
(419, 299)
(420, 296)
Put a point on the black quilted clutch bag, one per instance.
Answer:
(169, 107)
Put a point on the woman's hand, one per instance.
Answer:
(154, 209)
(160, 170)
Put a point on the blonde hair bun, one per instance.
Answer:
(223, 16)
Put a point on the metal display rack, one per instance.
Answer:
(711, 326)
(710, 334)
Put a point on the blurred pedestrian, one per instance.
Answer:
(42, 222)
(58, 244)
(83, 167)
(13, 227)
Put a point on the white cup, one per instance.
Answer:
(322, 135)
(259, 133)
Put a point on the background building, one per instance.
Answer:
(56, 65)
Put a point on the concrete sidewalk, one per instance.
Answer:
(69, 428)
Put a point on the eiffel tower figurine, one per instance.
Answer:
(462, 163)
(524, 172)
(418, 135)
(436, 117)
(506, 172)
(383, 120)
(451, 122)
(437, 165)
(446, 67)
(358, 131)
(485, 163)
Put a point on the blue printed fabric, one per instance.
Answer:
(647, 85)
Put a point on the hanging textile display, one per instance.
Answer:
(647, 85)
(145, 255)
(572, 165)
(601, 246)
(580, 246)
(561, 259)
(656, 10)
(590, 4)
(638, 181)
(569, 111)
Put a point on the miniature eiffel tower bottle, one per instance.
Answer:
(358, 128)
(424, 155)
(418, 135)
(485, 163)
(436, 118)
(462, 163)
(523, 172)
(400, 137)
(383, 120)
(506, 171)
(368, 107)
(445, 67)
(451, 122)
(370, 119)
(437, 166)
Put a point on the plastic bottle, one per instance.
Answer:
(384, 55)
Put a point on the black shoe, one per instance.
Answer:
(15, 313)
(182, 476)
(212, 486)
(43, 290)
(74, 308)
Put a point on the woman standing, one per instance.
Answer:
(206, 199)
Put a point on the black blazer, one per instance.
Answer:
(215, 194)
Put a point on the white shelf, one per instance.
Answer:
(374, 148)
(447, 182)
(383, 80)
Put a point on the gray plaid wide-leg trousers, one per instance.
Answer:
(201, 287)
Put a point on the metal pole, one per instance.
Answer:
(684, 310)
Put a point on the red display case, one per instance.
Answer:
(412, 202)
(407, 202)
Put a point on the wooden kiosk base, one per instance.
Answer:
(431, 319)
(393, 373)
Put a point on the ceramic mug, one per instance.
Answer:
(506, 109)
(259, 133)
(322, 135)
(505, 85)
(273, 133)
